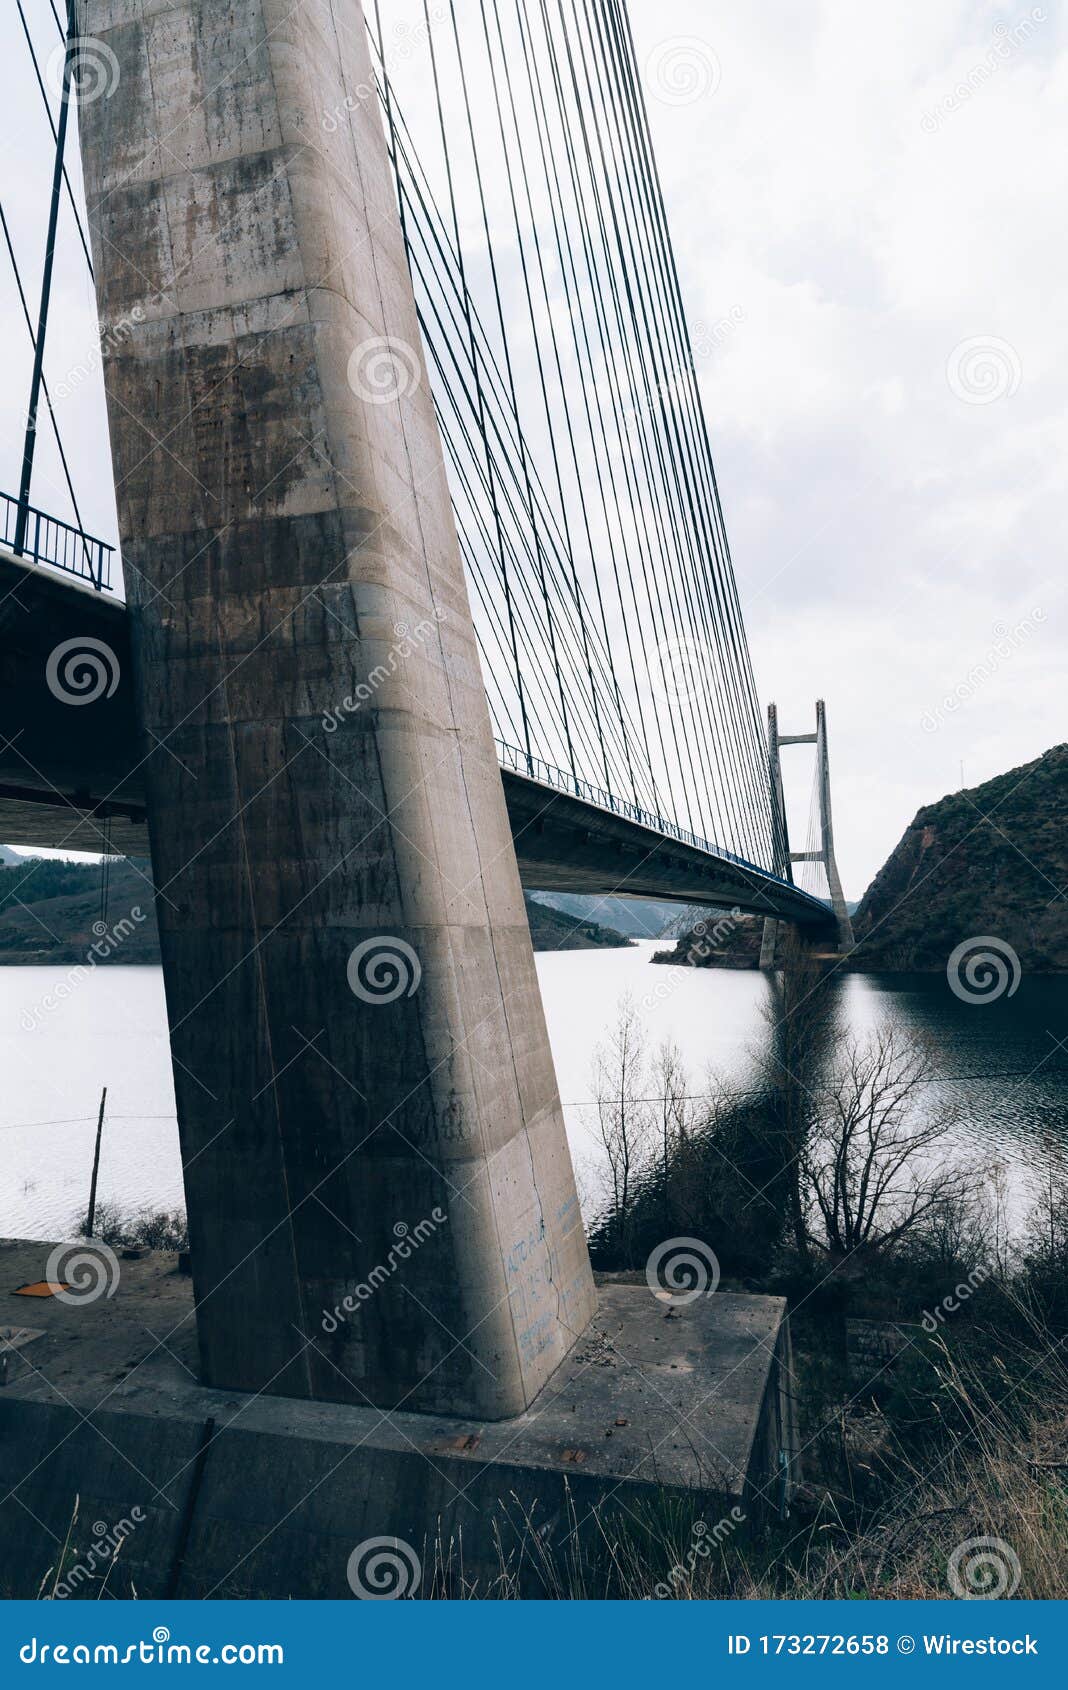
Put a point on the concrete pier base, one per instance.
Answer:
(663, 1416)
(359, 1046)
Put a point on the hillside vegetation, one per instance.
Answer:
(51, 912)
(992, 860)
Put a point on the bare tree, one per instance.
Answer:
(676, 1118)
(621, 1088)
(875, 1166)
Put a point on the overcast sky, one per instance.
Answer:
(867, 205)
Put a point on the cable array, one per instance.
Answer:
(582, 478)
(576, 443)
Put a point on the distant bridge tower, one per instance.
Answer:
(785, 858)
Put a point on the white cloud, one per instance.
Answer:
(880, 526)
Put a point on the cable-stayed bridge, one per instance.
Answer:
(427, 591)
(603, 596)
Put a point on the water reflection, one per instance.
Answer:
(1003, 1065)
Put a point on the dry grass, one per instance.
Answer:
(991, 1463)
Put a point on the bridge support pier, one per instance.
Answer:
(381, 1202)
(785, 858)
(768, 942)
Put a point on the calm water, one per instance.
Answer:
(1002, 1064)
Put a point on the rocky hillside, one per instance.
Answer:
(990, 861)
(718, 940)
(552, 930)
(51, 912)
(635, 918)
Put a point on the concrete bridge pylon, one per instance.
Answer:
(361, 1063)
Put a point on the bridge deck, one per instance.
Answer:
(70, 775)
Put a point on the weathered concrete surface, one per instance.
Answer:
(692, 1402)
(286, 525)
(562, 843)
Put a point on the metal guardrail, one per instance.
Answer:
(50, 541)
(535, 768)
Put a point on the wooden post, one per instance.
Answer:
(96, 1166)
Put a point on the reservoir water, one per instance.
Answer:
(1004, 1066)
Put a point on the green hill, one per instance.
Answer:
(992, 860)
(635, 918)
(552, 930)
(51, 910)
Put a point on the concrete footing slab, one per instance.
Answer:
(667, 1420)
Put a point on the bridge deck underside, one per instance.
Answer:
(71, 776)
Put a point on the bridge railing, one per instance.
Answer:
(511, 757)
(47, 540)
